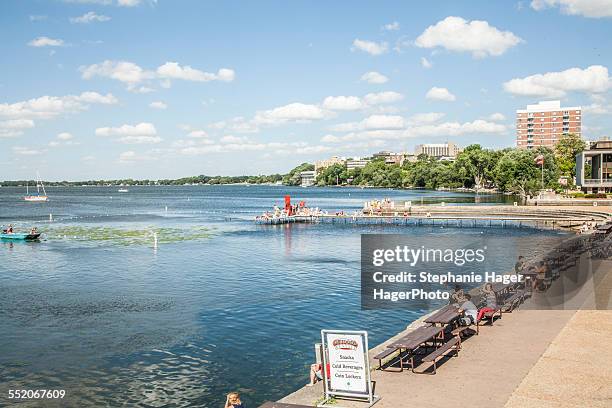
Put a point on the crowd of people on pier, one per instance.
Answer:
(295, 210)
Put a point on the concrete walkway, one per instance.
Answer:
(529, 358)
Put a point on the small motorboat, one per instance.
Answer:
(123, 190)
(20, 236)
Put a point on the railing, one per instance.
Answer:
(597, 181)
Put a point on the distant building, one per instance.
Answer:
(599, 156)
(356, 163)
(545, 123)
(448, 149)
(390, 157)
(321, 164)
(308, 178)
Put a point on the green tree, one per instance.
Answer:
(565, 153)
(477, 164)
(517, 171)
(293, 177)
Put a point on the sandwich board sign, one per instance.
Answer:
(345, 357)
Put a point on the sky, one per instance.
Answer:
(105, 89)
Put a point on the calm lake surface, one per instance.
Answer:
(221, 305)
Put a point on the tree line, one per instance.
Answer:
(507, 170)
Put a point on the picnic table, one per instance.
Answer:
(502, 288)
(415, 339)
(446, 315)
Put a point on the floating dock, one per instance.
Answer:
(498, 216)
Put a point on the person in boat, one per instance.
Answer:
(9, 230)
(33, 231)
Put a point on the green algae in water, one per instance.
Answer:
(124, 236)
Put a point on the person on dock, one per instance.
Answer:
(519, 265)
(233, 401)
(490, 300)
(316, 373)
(469, 310)
(457, 296)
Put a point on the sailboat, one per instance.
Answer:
(38, 197)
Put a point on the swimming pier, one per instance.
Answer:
(474, 216)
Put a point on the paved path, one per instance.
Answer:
(529, 358)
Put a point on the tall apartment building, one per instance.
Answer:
(448, 149)
(545, 123)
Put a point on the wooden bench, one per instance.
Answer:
(490, 316)
(457, 332)
(513, 301)
(452, 344)
(384, 354)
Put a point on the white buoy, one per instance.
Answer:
(166, 208)
(155, 240)
(50, 217)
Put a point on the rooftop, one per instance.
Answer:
(547, 106)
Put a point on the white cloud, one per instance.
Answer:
(586, 8)
(26, 151)
(128, 3)
(158, 105)
(383, 97)
(133, 75)
(141, 129)
(46, 107)
(293, 112)
(394, 26)
(346, 103)
(374, 77)
(414, 129)
(233, 139)
(383, 122)
(172, 70)
(496, 117)
(370, 123)
(63, 139)
(89, 17)
(440, 94)
(457, 129)
(593, 79)
(127, 157)
(94, 97)
(123, 71)
(38, 17)
(14, 127)
(330, 139)
(371, 47)
(477, 37)
(429, 117)
(139, 139)
(425, 63)
(597, 109)
(197, 134)
(65, 136)
(142, 133)
(46, 42)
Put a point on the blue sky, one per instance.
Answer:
(165, 89)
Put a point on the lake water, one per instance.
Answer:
(222, 304)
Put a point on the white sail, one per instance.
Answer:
(38, 197)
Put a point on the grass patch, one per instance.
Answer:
(126, 236)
